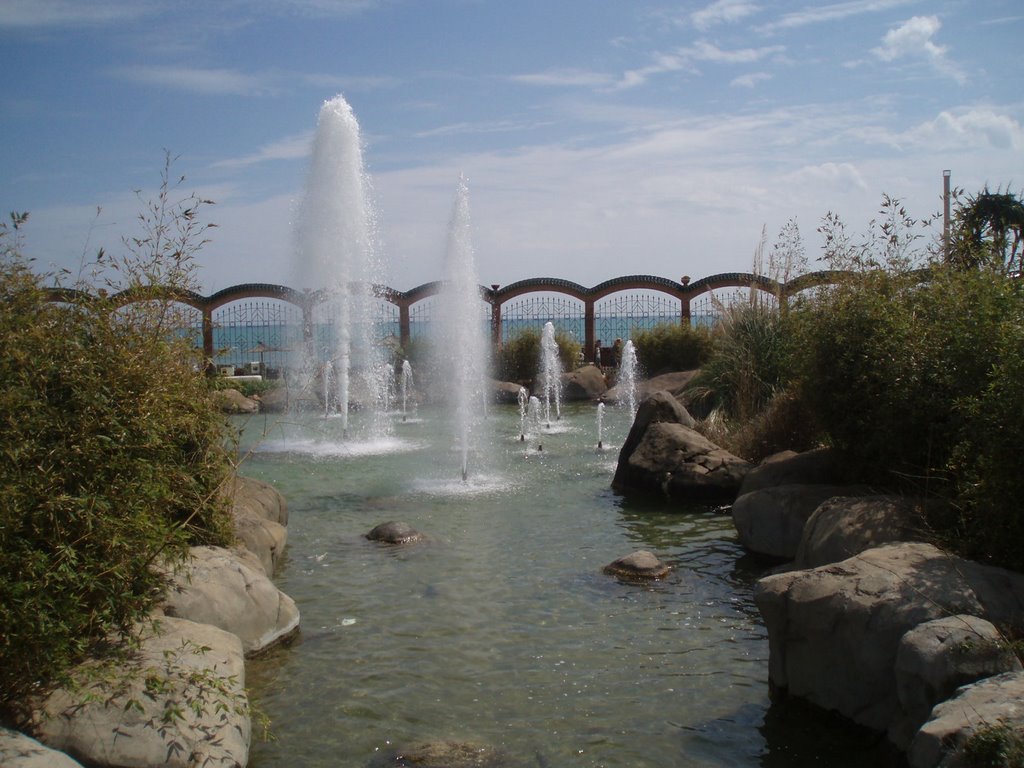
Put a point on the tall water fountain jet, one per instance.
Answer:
(524, 399)
(550, 372)
(335, 253)
(600, 426)
(406, 386)
(628, 371)
(462, 344)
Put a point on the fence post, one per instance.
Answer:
(589, 329)
(495, 317)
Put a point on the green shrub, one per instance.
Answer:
(998, 745)
(519, 357)
(748, 362)
(113, 457)
(672, 347)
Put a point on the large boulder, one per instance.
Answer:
(817, 467)
(20, 751)
(584, 383)
(260, 514)
(834, 631)
(275, 400)
(848, 525)
(771, 521)
(178, 701)
(996, 703)
(936, 658)
(220, 587)
(258, 498)
(233, 401)
(505, 391)
(664, 454)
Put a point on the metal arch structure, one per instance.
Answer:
(685, 291)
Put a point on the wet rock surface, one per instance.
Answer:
(395, 532)
(640, 565)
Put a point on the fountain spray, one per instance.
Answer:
(463, 341)
(336, 253)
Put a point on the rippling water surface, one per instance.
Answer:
(502, 629)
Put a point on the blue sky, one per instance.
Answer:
(599, 137)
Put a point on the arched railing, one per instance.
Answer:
(684, 292)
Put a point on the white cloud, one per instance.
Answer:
(197, 80)
(832, 174)
(50, 13)
(722, 12)
(705, 51)
(683, 60)
(751, 80)
(913, 40)
(969, 128)
(834, 12)
(565, 77)
(288, 148)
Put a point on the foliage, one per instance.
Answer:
(113, 454)
(672, 347)
(915, 375)
(988, 230)
(519, 357)
(748, 361)
(997, 745)
(247, 388)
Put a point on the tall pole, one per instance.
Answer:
(945, 214)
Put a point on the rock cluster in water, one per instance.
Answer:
(179, 699)
(638, 565)
(395, 532)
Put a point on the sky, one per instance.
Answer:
(599, 137)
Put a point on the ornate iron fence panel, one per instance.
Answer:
(421, 314)
(257, 335)
(622, 315)
(534, 310)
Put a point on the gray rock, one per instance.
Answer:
(20, 751)
(505, 391)
(639, 565)
(991, 702)
(233, 401)
(936, 658)
(817, 467)
(218, 587)
(258, 498)
(770, 521)
(448, 754)
(260, 515)
(584, 383)
(394, 532)
(144, 712)
(834, 631)
(274, 400)
(664, 455)
(848, 525)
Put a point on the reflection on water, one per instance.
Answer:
(501, 628)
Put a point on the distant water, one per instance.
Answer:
(502, 629)
(238, 343)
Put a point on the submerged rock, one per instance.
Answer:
(638, 565)
(395, 532)
(446, 754)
